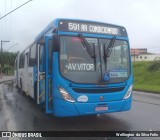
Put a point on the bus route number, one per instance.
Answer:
(73, 26)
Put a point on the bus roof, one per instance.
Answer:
(56, 23)
(86, 26)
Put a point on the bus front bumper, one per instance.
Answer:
(66, 109)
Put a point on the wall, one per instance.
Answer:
(145, 57)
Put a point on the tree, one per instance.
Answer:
(8, 59)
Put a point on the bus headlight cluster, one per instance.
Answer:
(65, 95)
(129, 92)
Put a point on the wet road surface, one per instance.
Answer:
(19, 113)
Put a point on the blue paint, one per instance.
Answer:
(113, 100)
(106, 77)
(47, 76)
(66, 109)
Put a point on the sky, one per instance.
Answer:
(141, 18)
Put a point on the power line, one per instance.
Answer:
(10, 21)
(12, 46)
(15, 9)
(5, 22)
(2, 33)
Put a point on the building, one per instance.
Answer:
(141, 54)
(138, 51)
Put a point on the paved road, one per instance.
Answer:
(17, 112)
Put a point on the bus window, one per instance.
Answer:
(21, 60)
(41, 58)
(32, 55)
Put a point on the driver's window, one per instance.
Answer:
(119, 54)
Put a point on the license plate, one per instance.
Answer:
(101, 108)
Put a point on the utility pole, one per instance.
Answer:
(2, 56)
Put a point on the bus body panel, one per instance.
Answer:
(25, 71)
(31, 82)
(109, 97)
(62, 108)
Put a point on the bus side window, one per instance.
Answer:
(21, 61)
(41, 59)
(32, 55)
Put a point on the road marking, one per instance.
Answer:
(11, 126)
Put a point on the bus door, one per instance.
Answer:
(44, 79)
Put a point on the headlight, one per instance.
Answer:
(65, 95)
(129, 92)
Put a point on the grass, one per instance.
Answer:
(144, 78)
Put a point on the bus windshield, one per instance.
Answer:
(77, 66)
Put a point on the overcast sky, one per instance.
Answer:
(140, 17)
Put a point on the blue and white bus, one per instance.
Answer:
(77, 67)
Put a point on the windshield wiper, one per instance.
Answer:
(88, 48)
(107, 52)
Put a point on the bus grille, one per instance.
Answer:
(106, 90)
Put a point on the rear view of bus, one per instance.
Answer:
(83, 68)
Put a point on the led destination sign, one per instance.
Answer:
(72, 26)
(91, 27)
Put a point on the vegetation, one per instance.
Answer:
(154, 66)
(7, 62)
(147, 76)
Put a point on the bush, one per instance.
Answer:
(154, 66)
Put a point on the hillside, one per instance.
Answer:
(146, 76)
